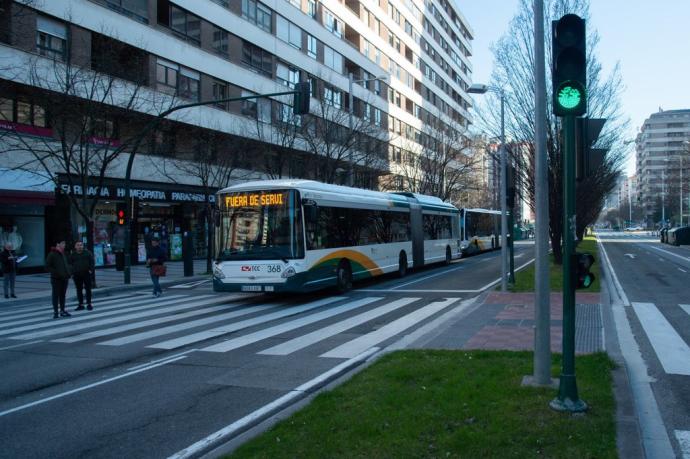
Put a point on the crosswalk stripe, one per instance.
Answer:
(206, 334)
(43, 310)
(241, 341)
(683, 437)
(339, 327)
(146, 323)
(671, 350)
(361, 344)
(96, 321)
(686, 307)
(104, 306)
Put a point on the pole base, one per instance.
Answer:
(572, 406)
(531, 381)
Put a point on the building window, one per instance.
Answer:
(220, 92)
(311, 46)
(286, 75)
(366, 112)
(295, 3)
(220, 40)
(185, 24)
(188, 84)
(332, 97)
(257, 13)
(257, 59)
(333, 59)
(311, 8)
(377, 117)
(137, 9)
(288, 32)
(166, 76)
(332, 24)
(22, 112)
(249, 105)
(51, 38)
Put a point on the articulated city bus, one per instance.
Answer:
(301, 235)
(480, 230)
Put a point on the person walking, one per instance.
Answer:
(155, 260)
(9, 269)
(59, 269)
(82, 263)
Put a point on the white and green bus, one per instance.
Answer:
(302, 235)
(479, 230)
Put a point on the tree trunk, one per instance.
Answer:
(209, 237)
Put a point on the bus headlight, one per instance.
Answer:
(218, 273)
(288, 272)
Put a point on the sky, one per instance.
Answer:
(648, 38)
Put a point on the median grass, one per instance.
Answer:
(435, 403)
(524, 279)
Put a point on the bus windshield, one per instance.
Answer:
(260, 225)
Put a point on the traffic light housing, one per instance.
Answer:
(510, 186)
(121, 214)
(589, 159)
(569, 72)
(300, 101)
(582, 264)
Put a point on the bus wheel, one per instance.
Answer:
(344, 277)
(449, 257)
(402, 265)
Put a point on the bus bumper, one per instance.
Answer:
(293, 284)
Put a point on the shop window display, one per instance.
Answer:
(26, 233)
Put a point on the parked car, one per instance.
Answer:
(678, 236)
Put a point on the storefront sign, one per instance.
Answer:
(144, 194)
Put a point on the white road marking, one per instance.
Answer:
(303, 341)
(191, 284)
(164, 359)
(27, 312)
(88, 386)
(630, 255)
(51, 323)
(671, 253)
(20, 345)
(206, 334)
(616, 283)
(683, 437)
(682, 270)
(686, 307)
(358, 345)
(145, 323)
(274, 406)
(446, 271)
(66, 326)
(671, 350)
(251, 338)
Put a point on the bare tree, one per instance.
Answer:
(513, 73)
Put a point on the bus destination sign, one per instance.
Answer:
(255, 200)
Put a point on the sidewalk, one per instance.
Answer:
(37, 286)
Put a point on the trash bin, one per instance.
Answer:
(120, 260)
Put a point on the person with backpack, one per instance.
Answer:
(83, 264)
(60, 272)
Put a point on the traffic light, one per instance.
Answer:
(300, 101)
(121, 214)
(569, 72)
(510, 186)
(589, 159)
(583, 262)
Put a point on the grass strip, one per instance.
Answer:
(524, 279)
(438, 403)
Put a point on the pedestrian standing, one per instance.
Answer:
(9, 268)
(155, 260)
(82, 263)
(59, 269)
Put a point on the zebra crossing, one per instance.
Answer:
(669, 346)
(240, 320)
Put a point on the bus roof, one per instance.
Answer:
(484, 211)
(338, 193)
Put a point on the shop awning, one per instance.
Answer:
(25, 187)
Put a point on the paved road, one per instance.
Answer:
(655, 278)
(147, 377)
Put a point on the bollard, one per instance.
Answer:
(187, 254)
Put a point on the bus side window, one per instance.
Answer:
(311, 215)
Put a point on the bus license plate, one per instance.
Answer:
(251, 288)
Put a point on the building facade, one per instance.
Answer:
(662, 156)
(83, 82)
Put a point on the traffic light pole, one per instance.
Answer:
(568, 399)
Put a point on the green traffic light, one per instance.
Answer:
(569, 97)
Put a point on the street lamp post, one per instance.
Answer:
(350, 156)
(482, 89)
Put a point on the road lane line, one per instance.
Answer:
(303, 341)
(251, 338)
(265, 411)
(429, 277)
(614, 277)
(225, 329)
(681, 270)
(164, 359)
(358, 345)
(670, 253)
(88, 386)
(670, 349)
(20, 345)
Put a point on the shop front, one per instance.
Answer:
(160, 210)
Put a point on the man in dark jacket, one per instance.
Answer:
(82, 264)
(58, 267)
(9, 269)
(155, 256)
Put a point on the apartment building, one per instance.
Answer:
(87, 79)
(662, 157)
